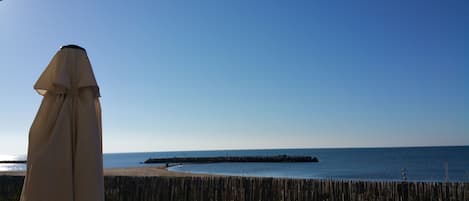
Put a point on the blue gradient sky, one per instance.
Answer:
(191, 75)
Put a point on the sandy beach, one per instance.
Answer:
(134, 171)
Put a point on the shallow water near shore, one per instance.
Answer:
(420, 163)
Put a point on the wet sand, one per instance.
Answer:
(149, 172)
(134, 171)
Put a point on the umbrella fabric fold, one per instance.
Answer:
(64, 161)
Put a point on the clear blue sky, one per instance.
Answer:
(192, 75)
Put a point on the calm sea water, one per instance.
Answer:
(421, 164)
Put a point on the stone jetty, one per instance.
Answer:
(237, 159)
(12, 161)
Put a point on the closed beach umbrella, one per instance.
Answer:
(65, 139)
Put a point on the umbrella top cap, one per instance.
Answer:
(73, 46)
(69, 70)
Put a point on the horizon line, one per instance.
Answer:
(284, 148)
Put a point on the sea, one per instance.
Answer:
(390, 164)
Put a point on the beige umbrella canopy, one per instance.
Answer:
(65, 140)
